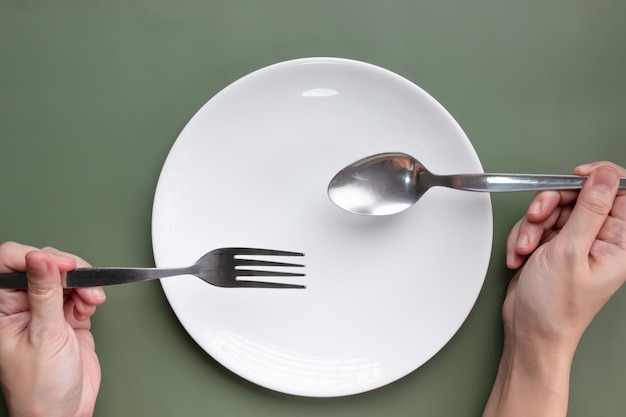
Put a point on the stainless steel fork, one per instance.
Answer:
(219, 267)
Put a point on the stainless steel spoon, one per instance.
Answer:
(389, 183)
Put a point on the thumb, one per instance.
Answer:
(592, 208)
(45, 292)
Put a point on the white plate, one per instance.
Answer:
(251, 169)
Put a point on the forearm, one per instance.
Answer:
(531, 381)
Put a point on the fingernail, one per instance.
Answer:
(98, 293)
(605, 177)
(535, 207)
(522, 241)
(513, 259)
(65, 259)
(510, 258)
(37, 264)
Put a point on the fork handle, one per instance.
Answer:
(94, 277)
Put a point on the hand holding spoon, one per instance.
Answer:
(389, 183)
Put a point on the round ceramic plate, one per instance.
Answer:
(251, 169)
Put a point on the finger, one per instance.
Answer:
(72, 320)
(564, 213)
(12, 257)
(524, 238)
(79, 262)
(613, 232)
(619, 208)
(513, 259)
(553, 199)
(45, 293)
(542, 215)
(91, 295)
(592, 208)
(513, 235)
(587, 169)
(531, 234)
(13, 302)
(545, 202)
(82, 310)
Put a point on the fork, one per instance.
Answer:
(219, 267)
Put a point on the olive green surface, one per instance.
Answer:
(94, 93)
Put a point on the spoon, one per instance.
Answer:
(389, 183)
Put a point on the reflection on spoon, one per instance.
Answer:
(389, 183)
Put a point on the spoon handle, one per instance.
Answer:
(499, 183)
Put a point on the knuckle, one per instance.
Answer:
(41, 291)
(7, 247)
(570, 252)
(12, 256)
(620, 170)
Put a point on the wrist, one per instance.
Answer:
(532, 375)
(538, 355)
(36, 409)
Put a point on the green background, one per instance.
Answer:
(94, 93)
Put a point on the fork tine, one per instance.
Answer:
(259, 284)
(237, 253)
(259, 262)
(256, 273)
(271, 252)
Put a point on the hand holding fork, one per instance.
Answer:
(219, 267)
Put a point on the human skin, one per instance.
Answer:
(48, 363)
(571, 248)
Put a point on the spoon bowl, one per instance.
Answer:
(389, 183)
